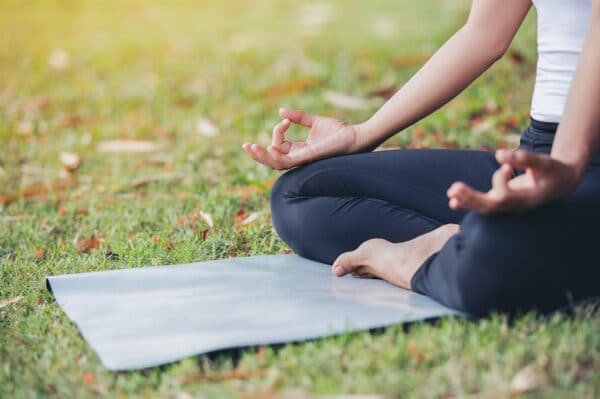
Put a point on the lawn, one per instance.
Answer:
(186, 83)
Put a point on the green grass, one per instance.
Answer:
(149, 72)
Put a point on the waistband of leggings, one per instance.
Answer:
(549, 127)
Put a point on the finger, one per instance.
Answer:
(298, 117)
(464, 197)
(279, 142)
(500, 180)
(281, 160)
(263, 156)
(521, 159)
(347, 262)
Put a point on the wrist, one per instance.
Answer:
(576, 165)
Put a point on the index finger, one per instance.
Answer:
(296, 116)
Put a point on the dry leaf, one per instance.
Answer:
(412, 60)
(86, 246)
(71, 121)
(24, 128)
(385, 92)
(385, 28)
(251, 218)
(70, 161)
(87, 378)
(128, 147)
(37, 190)
(207, 217)
(35, 104)
(515, 56)
(206, 128)
(346, 101)
(528, 379)
(294, 86)
(316, 15)
(13, 218)
(9, 301)
(59, 59)
(236, 374)
(145, 180)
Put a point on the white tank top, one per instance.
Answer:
(562, 25)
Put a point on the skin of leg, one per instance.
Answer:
(393, 262)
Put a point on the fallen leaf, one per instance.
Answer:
(315, 15)
(292, 87)
(251, 218)
(145, 180)
(70, 161)
(35, 104)
(128, 147)
(86, 246)
(87, 378)
(529, 378)
(71, 121)
(253, 188)
(40, 253)
(515, 56)
(411, 60)
(24, 128)
(207, 217)
(346, 101)
(9, 301)
(234, 375)
(13, 218)
(37, 190)
(385, 28)
(206, 127)
(59, 59)
(241, 215)
(385, 92)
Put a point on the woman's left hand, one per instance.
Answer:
(545, 179)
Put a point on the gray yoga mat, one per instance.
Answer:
(143, 317)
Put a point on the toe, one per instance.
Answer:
(346, 263)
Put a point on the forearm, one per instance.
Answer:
(491, 26)
(464, 57)
(578, 135)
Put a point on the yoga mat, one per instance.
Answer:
(143, 317)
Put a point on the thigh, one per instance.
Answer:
(416, 180)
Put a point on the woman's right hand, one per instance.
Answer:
(327, 137)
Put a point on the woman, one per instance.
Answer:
(479, 232)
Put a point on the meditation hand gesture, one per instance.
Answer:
(545, 179)
(327, 137)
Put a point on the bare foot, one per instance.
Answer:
(393, 262)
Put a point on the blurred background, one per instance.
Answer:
(198, 78)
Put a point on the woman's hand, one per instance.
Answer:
(327, 137)
(545, 179)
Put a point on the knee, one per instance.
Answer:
(491, 268)
(286, 212)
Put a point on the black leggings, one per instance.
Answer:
(542, 259)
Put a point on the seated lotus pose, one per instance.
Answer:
(477, 231)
